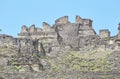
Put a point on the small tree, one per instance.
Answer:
(0, 29)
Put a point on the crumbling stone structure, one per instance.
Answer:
(34, 42)
(63, 33)
(62, 20)
(104, 33)
(38, 49)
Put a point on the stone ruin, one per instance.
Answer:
(104, 33)
(62, 36)
(77, 36)
(61, 33)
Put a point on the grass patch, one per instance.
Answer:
(91, 61)
(96, 60)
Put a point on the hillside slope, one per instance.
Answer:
(98, 64)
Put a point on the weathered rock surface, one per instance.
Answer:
(62, 51)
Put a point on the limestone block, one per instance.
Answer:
(62, 20)
(104, 33)
(24, 29)
(47, 27)
(32, 28)
(87, 22)
(86, 32)
(79, 20)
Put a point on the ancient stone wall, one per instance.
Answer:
(24, 29)
(65, 33)
(87, 32)
(47, 27)
(62, 32)
(32, 29)
(48, 40)
(22, 52)
(79, 20)
(18, 44)
(87, 23)
(69, 33)
(104, 33)
(84, 23)
(62, 20)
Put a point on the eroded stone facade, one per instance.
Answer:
(34, 42)
(64, 33)
(104, 33)
(65, 47)
(61, 33)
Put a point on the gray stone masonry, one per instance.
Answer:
(104, 33)
(64, 33)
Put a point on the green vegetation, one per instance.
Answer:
(91, 61)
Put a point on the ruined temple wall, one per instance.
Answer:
(49, 39)
(87, 32)
(47, 28)
(69, 33)
(23, 35)
(104, 33)
(32, 29)
(43, 34)
(84, 23)
(63, 32)
(62, 20)
(6, 41)
(17, 44)
(24, 29)
(79, 20)
(85, 27)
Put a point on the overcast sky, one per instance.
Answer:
(15, 13)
